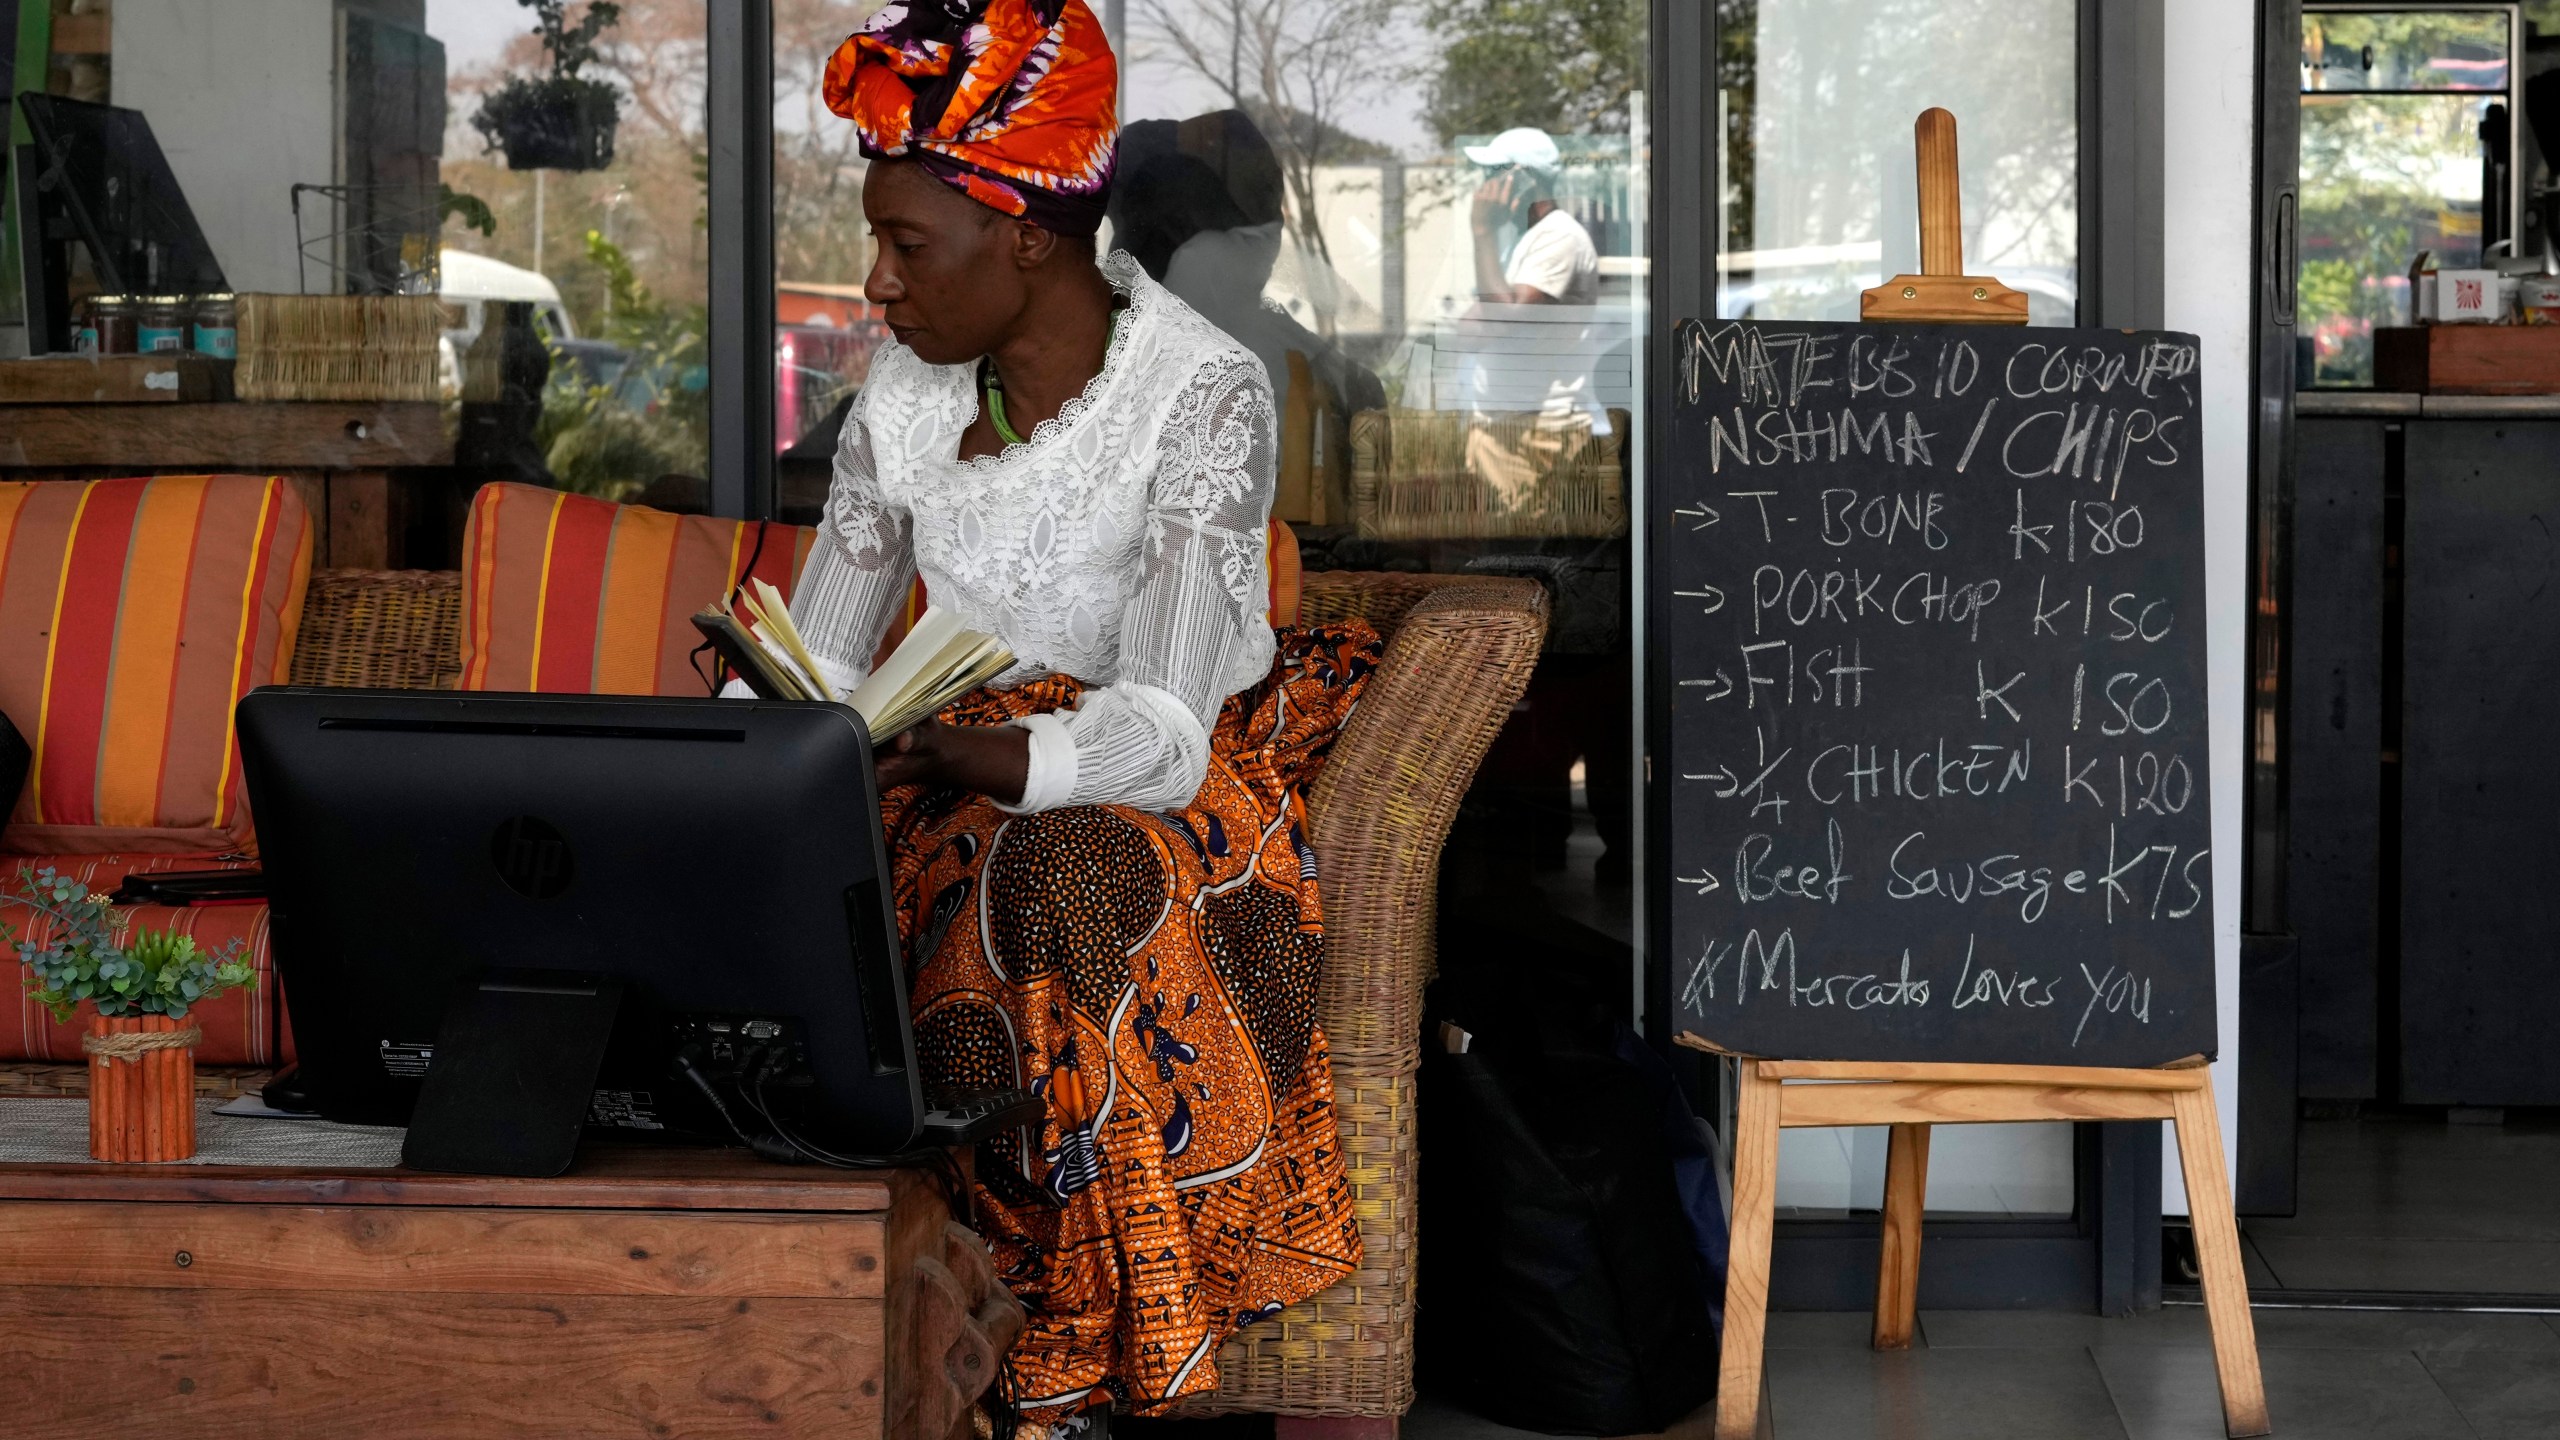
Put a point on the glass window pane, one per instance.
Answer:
(825, 332)
(2405, 50)
(1815, 105)
(610, 264)
(2385, 178)
(434, 148)
(1816, 101)
(1428, 221)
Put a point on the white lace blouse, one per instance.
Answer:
(1121, 543)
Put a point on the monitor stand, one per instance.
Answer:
(514, 1071)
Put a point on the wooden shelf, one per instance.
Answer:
(321, 436)
(171, 378)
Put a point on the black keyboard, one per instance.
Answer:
(970, 1118)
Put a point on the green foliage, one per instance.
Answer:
(153, 973)
(1567, 67)
(525, 106)
(561, 112)
(608, 440)
(2328, 287)
(471, 210)
(572, 47)
(2374, 172)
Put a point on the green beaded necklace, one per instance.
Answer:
(995, 387)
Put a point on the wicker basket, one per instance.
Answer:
(391, 629)
(339, 347)
(1477, 475)
(54, 1080)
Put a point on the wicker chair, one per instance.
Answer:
(1459, 653)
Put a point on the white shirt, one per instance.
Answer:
(1556, 256)
(1121, 543)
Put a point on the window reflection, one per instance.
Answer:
(543, 203)
(609, 266)
(2405, 50)
(1816, 100)
(825, 331)
(2408, 125)
(1427, 222)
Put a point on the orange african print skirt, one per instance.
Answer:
(1152, 975)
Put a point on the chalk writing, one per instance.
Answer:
(1938, 721)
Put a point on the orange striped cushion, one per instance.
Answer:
(133, 615)
(1280, 551)
(570, 595)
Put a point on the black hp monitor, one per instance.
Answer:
(94, 176)
(521, 916)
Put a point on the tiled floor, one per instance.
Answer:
(2331, 1375)
(2409, 1202)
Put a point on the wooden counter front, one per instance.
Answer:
(648, 1292)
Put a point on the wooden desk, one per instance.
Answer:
(341, 455)
(650, 1292)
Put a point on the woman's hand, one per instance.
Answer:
(993, 760)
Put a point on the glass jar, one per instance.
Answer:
(84, 328)
(162, 323)
(115, 320)
(217, 331)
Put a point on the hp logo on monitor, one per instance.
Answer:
(532, 856)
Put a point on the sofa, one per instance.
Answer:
(1460, 650)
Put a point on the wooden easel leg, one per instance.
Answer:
(1906, 1188)
(1746, 1286)
(2226, 1291)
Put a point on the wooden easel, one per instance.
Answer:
(1912, 1097)
(1941, 294)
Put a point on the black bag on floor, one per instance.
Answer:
(1563, 1288)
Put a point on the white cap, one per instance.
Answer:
(1527, 145)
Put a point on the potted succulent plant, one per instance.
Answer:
(142, 1051)
(560, 121)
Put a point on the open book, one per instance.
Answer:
(939, 661)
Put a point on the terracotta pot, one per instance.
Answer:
(142, 1101)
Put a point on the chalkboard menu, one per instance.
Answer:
(1932, 601)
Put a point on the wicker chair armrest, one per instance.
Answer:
(1381, 597)
(1384, 803)
(385, 629)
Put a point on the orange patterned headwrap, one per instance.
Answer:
(1011, 102)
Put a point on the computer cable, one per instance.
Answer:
(688, 1065)
(762, 1065)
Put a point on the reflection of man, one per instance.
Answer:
(1553, 262)
(1515, 451)
(1526, 446)
(1199, 205)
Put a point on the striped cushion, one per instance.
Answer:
(133, 615)
(1288, 578)
(239, 1029)
(570, 595)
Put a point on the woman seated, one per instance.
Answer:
(1103, 878)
